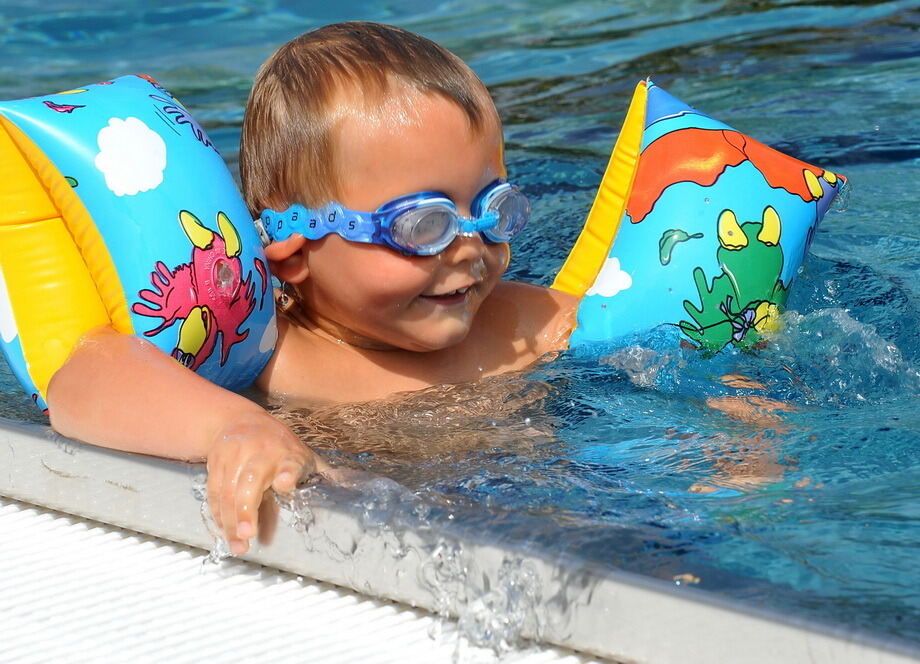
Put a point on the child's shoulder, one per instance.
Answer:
(310, 366)
(534, 295)
(538, 317)
(516, 324)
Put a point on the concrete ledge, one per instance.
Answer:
(376, 538)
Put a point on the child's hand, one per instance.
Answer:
(751, 409)
(246, 459)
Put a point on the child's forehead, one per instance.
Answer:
(396, 104)
(404, 140)
(441, 153)
(424, 120)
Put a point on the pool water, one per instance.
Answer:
(637, 456)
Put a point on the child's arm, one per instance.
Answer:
(122, 392)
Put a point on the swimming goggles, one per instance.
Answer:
(420, 224)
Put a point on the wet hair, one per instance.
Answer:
(287, 150)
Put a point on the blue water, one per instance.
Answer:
(814, 510)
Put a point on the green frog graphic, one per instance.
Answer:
(733, 308)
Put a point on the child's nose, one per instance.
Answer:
(464, 248)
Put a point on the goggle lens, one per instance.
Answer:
(513, 210)
(424, 230)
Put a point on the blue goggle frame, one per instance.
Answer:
(392, 224)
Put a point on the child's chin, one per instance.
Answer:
(431, 343)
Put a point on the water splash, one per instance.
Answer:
(220, 548)
(215, 561)
(834, 359)
(645, 367)
(480, 606)
(498, 618)
(841, 202)
(445, 574)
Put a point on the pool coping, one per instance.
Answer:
(435, 565)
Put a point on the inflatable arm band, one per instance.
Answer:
(695, 225)
(116, 209)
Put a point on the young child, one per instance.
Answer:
(342, 121)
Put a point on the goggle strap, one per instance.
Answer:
(314, 224)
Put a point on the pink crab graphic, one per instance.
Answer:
(208, 295)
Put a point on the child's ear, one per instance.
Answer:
(288, 260)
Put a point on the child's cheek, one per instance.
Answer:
(384, 267)
(500, 255)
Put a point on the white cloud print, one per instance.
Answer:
(131, 156)
(611, 279)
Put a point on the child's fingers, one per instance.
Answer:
(240, 470)
(238, 547)
(213, 502)
(298, 466)
(217, 476)
(227, 506)
(223, 485)
(253, 480)
(237, 478)
(291, 470)
(319, 464)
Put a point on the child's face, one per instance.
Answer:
(419, 303)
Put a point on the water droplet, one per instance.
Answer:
(224, 279)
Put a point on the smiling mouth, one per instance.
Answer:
(451, 297)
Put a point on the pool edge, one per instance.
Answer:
(613, 614)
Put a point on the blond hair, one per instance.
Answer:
(287, 146)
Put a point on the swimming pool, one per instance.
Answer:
(815, 513)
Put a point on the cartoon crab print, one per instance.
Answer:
(207, 296)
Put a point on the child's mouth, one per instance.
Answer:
(450, 298)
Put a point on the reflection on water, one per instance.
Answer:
(785, 476)
(502, 412)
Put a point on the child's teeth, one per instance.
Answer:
(459, 291)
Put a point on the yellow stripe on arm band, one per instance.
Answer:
(60, 278)
(592, 247)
